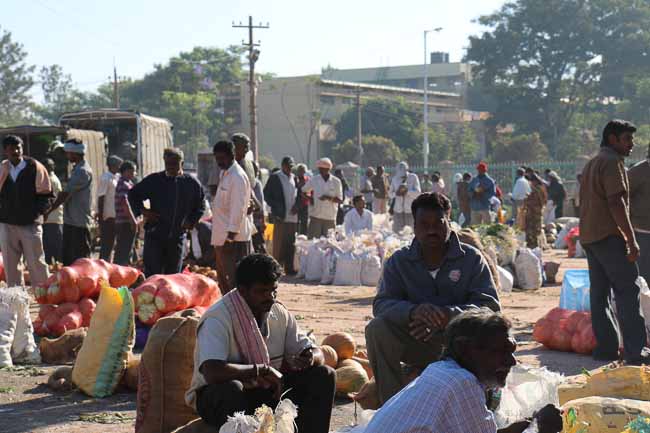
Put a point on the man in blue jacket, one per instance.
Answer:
(176, 203)
(481, 190)
(422, 288)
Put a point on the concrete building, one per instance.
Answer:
(442, 75)
(296, 114)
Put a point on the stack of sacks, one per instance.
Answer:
(347, 261)
(162, 295)
(67, 297)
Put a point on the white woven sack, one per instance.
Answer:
(24, 349)
(528, 270)
(7, 330)
(371, 270)
(314, 270)
(329, 266)
(348, 270)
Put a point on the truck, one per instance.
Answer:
(38, 143)
(130, 135)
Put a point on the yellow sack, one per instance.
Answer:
(602, 414)
(103, 357)
(623, 382)
(268, 232)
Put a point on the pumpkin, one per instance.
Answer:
(347, 363)
(350, 378)
(331, 358)
(130, 378)
(343, 343)
(366, 365)
(361, 354)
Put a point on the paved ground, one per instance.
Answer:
(27, 405)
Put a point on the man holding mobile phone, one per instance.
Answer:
(249, 351)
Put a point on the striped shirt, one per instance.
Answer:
(446, 398)
(122, 214)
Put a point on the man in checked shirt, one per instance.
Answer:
(449, 396)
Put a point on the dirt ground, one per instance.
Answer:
(27, 404)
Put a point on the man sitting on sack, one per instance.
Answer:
(250, 351)
(423, 286)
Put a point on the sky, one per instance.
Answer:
(87, 37)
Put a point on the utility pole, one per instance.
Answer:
(116, 88)
(426, 101)
(253, 56)
(359, 133)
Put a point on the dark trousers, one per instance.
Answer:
(76, 243)
(303, 222)
(228, 255)
(259, 245)
(52, 242)
(124, 242)
(107, 238)
(609, 269)
(284, 244)
(311, 390)
(163, 256)
(559, 210)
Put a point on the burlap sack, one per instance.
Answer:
(166, 370)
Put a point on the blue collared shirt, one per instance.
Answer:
(463, 281)
(446, 398)
(482, 202)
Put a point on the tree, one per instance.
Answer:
(59, 94)
(541, 63)
(524, 148)
(15, 81)
(392, 119)
(377, 150)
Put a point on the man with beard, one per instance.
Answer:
(250, 350)
(607, 235)
(232, 226)
(422, 288)
(450, 395)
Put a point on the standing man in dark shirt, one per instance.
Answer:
(464, 198)
(25, 193)
(612, 250)
(422, 288)
(640, 211)
(176, 203)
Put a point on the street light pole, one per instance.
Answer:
(426, 102)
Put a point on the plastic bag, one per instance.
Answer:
(621, 382)
(264, 420)
(575, 290)
(348, 270)
(569, 223)
(371, 270)
(506, 279)
(528, 270)
(527, 390)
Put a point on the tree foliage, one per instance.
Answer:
(15, 81)
(524, 148)
(377, 150)
(394, 120)
(59, 94)
(541, 64)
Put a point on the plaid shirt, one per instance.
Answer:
(446, 398)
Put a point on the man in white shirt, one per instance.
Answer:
(106, 206)
(520, 191)
(53, 225)
(232, 226)
(327, 194)
(358, 218)
(404, 188)
(280, 194)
